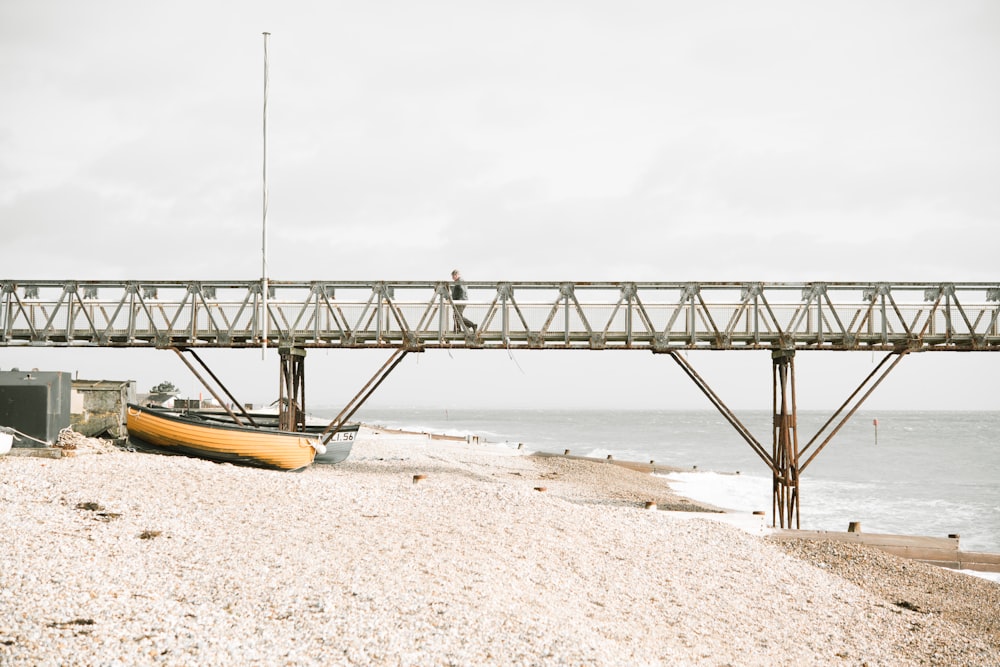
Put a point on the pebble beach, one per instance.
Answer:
(417, 551)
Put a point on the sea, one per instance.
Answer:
(929, 473)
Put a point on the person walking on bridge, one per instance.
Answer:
(459, 293)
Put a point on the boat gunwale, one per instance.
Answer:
(220, 417)
(185, 418)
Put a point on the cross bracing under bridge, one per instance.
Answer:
(414, 315)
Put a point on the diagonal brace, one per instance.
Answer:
(726, 412)
(359, 399)
(180, 353)
(870, 379)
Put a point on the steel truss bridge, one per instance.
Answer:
(539, 315)
(406, 316)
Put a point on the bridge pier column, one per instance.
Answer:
(785, 440)
(292, 389)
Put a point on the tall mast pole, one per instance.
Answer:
(263, 249)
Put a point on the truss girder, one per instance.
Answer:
(550, 315)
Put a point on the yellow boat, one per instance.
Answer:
(231, 443)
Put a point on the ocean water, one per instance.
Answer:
(917, 473)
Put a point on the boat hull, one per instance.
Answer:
(339, 448)
(230, 443)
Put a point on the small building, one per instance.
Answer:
(98, 407)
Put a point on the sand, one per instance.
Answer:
(117, 557)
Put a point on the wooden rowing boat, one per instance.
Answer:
(338, 447)
(219, 441)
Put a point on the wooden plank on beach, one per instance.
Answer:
(980, 562)
(936, 550)
(37, 452)
(377, 430)
(943, 544)
(633, 465)
(940, 551)
(967, 560)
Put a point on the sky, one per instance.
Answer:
(572, 141)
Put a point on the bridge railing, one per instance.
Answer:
(657, 316)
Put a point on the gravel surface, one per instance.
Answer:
(934, 592)
(125, 558)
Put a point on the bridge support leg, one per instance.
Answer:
(784, 457)
(363, 395)
(292, 390)
(785, 441)
(744, 432)
(239, 406)
(874, 379)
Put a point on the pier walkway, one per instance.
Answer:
(405, 317)
(416, 315)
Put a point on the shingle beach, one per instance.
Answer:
(492, 557)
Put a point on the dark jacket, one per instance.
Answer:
(458, 291)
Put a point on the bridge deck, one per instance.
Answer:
(543, 315)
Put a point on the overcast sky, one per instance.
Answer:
(653, 140)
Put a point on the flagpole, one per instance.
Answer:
(263, 248)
